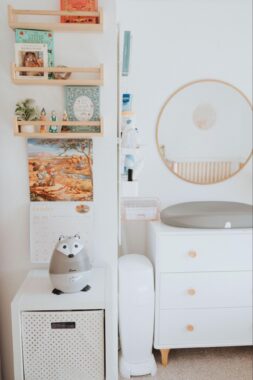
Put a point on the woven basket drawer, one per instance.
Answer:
(65, 345)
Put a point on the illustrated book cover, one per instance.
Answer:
(38, 37)
(79, 5)
(82, 103)
(31, 55)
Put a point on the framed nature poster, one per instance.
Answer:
(60, 170)
(82, 103)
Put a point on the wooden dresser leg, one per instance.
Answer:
(165, 357)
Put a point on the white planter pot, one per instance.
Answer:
(27, 128)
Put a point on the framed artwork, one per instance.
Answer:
(83, 104)
(31, 55)
(60, 170)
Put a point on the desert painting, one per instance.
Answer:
(60, 170)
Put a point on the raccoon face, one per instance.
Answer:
(69, 245)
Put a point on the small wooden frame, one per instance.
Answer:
(14, 23)
(58, 135)
(93, 76)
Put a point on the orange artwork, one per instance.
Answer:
(60, 170)
(79, 5)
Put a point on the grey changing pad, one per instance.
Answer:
(209, 215)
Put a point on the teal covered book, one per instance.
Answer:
(38, 37)
(82, 103)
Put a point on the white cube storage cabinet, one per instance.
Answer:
(59, 337)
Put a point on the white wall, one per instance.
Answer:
(75, 49)
(176, 42)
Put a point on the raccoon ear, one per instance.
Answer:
(61, 237)
(77, 236)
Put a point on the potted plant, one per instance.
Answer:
(28, 111)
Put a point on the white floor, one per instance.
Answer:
(206, 364)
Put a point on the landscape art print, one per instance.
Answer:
(60, 169)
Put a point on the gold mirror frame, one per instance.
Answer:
(189, 84)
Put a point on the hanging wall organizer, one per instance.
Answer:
(63, 135)
(16, 14)
(91, 76)
(57, 75)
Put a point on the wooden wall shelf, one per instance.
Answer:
(60, 135)
(92, 76)
(14, 22)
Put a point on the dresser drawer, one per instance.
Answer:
(204, 328)
(204, 252)
(203, 290)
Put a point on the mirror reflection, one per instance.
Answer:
(204, 131)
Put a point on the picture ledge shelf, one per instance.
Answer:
(93, 76)
(14, 22)
(59, 135)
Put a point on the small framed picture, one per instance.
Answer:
(31, 55)
(83, 104)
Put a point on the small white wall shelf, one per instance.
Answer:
(140, 209)
(92, 76)
(15, 23)
(63, 135)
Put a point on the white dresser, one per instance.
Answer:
(203, 281)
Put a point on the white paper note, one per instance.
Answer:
(49, 220)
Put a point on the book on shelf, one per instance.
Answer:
(126, 53)
(79, 5)
(29, 56)
(82, 103)
(38, 37)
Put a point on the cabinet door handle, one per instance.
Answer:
(190, 328)
(192, 254)
(191, 292)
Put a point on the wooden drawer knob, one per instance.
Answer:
(190, 328)
(192, 254)
(191, 292)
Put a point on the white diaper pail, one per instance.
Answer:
(136, 316)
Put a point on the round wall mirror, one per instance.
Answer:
(204, 131)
